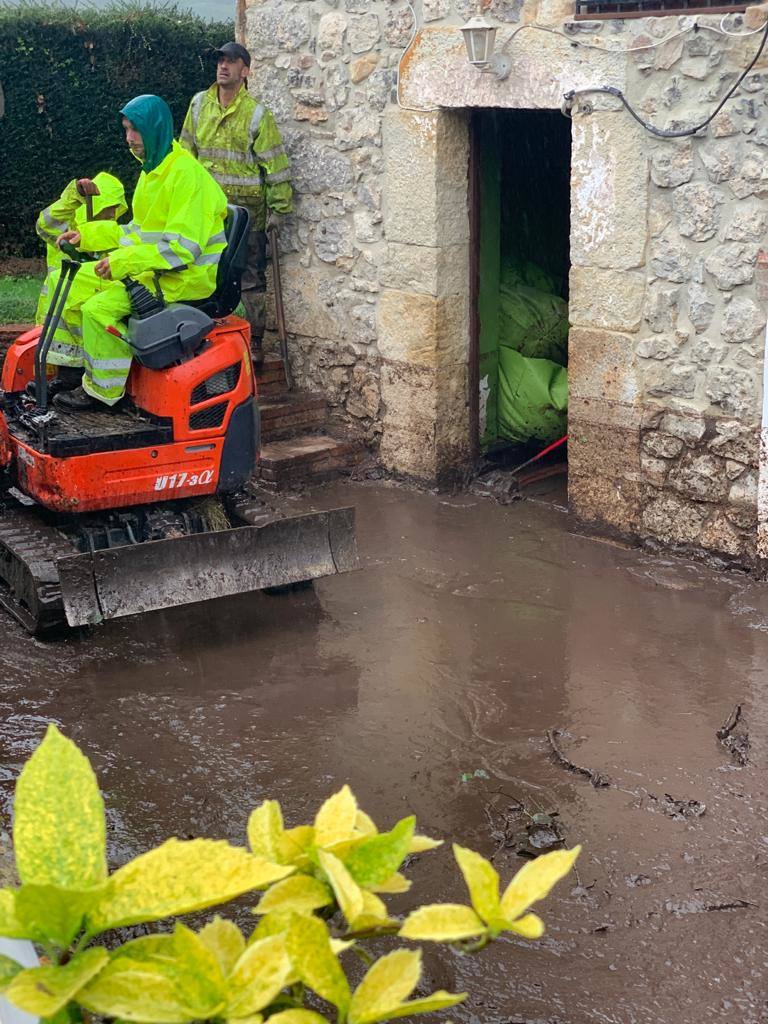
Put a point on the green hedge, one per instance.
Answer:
(65, 73)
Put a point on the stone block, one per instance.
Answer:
(736, 441)
(742, 320)
(423, 330)
(427, 270)
(602, 365)
(672, 164)
(743, 492)
(689, 429)
(661, 306)
(673, 520)
(608, 299)
(603, 449)
(732, 264)
(654, 471)
(700, 476)
(662, 446)
(609, 192)
(606, 503)
(736, 391)
(425, 430)
(701, 308)
(676, 380)
(720, 535)
(697, 210)
(425, 185)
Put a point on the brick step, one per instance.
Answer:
(270, 378)
(291, 414)
(311, 458)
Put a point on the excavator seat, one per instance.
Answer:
(231, 266)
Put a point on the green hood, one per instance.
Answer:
(151, 116)
(111, 193)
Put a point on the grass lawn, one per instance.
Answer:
(18, 299)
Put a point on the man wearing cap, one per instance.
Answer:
(237, 140)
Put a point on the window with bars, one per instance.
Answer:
(603, 9)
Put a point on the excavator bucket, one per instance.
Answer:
(130, 580)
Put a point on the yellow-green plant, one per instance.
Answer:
(321, 885)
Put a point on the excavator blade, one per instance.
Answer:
(130, 580)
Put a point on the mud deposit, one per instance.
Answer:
(429, 681)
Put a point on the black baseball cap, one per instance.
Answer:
(233, 51)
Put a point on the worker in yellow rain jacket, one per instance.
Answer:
(236, 138)
(174, 243)
(70, 211)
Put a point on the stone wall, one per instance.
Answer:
(666, 347)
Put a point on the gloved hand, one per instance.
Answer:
(86, 187)
(274, 220)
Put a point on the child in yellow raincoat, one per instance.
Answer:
(69, 212)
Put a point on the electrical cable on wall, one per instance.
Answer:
(609, 90)
(667, 133)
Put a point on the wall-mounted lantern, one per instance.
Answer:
(480, 41)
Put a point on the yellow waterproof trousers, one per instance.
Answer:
(81, 337)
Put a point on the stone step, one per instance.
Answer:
(291, 414)
(311, 458)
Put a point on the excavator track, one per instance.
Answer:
(29, 580)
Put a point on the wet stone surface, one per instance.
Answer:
(429, 680)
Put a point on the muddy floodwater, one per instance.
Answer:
(428, 680)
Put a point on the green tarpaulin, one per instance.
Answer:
(532, 396)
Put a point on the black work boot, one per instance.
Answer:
(67, 379)
(77, 400)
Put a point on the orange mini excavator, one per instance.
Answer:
(109, 513)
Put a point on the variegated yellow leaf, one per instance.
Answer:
(373, 915)
(296, 844)
(260, 973)
(177, 878)
(420, 844)
(8, 970)
(276, 922)
(348, 893)
(43, 991)
(340, 946)
(59, 831)
(377, 858)
(309, 947)
(299, 892)
(11, 927)
(265, 831)
(166, 982)
(335, 821)
(387, 983)
(482, 880)
(535, 880)
(297, 1017)
(430, 1004)
(364, 825)
(54, 916)
(530, 926)
(396, 883)
(225, 940)
(254, 1018)
(442, 922)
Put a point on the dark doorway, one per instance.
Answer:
(520, 215)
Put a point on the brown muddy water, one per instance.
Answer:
(428, 681)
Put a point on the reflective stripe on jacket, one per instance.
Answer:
(177, 225)
(240, 146)
(68, 212)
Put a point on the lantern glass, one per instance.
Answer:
(479, 39)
